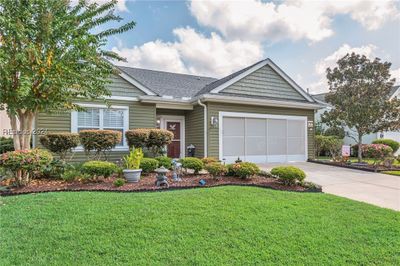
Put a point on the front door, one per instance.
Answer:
(174, 149)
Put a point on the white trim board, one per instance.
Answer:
(270, 63)
(263, 158)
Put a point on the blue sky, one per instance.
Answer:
(216, 38)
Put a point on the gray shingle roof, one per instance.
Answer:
(167, 83)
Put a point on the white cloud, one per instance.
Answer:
(193, 53)
(321, 85)
(299, 19)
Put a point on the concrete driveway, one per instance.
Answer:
(374, 188)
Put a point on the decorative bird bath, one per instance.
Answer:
(161, 177)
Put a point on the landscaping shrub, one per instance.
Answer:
(192, 163)
(99, 141)
(6, 144)
(60, 143)
(70, 175)
(208, 160)
(133, 159)
(119, 182)
(216, 169)
(148, 165)
(289, 175)
(243, 169)
(137, 137)
(164, 161)
(328, 144)
(24, 164)
(158, 139)
(99, 168)
(54, 169)
(389, 142)
(377, 152)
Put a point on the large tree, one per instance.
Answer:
(359, 92)
(52, 52)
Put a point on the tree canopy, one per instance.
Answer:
(51, 53)
(359, 92)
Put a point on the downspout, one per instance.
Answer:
(205, 126)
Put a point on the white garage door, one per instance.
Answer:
(262, 138)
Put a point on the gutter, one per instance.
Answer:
(205, 127)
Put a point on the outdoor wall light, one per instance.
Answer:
(214, 121)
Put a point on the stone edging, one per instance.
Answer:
(345, 166)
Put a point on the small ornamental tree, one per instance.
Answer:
(359, 92)
(377, 152)
(52, 52)
(137, 137)
(60, 143)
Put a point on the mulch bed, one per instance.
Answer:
(366, 167)
(147, 183)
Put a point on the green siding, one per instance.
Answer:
(194, 121)
(264, 82)
(215, 108)
(140, 115)
(121, 87)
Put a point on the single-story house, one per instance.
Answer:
(258, 114)
(395, 135)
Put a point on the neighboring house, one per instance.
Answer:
(258, 113)
(395, 135)
(5, 126)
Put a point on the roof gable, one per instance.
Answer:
(264, 79)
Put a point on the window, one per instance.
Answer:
(101, 117)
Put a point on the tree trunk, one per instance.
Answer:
(21, 126)
(359, 155)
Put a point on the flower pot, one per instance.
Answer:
(132, 175)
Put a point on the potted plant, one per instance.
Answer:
(132, 163)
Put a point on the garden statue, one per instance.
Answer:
(161, 177)
(177, 168)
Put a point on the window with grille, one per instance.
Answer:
(102, 118)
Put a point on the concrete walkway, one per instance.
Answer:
(374, 188)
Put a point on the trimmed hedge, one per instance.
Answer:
(389, 142)
(99, 141)
(208, 160)
(192, 163)
(376, 151)
(137, 138)
(60, 143)
(164, 161)
(216, 169)
(6, 144)
(99, 168)
(148, 165)
(289, 175)
(243, 169)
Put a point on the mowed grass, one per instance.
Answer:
(396, 173)
(213, 226)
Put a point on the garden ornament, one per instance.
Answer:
(161, 177)
(202, 182)
(177, 168)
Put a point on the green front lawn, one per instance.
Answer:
(225, 225)
(396, 173)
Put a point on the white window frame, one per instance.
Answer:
(74, 122)
(263, 116)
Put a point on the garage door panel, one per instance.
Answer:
(233, 126)
(256, 146)
(263, 140)
(233, 146)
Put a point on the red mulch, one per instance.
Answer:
(147, 183)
